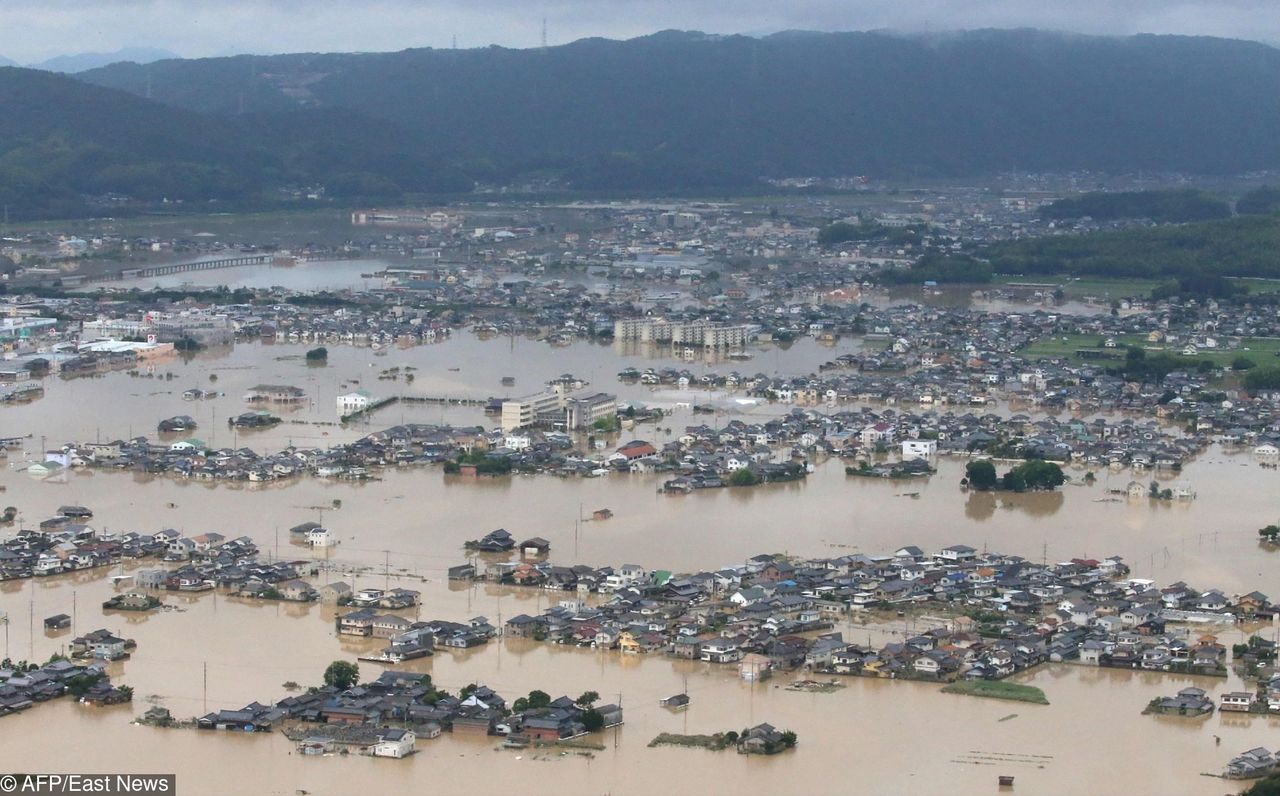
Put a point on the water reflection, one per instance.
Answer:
(982, 506)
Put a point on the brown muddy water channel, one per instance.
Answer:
(872, 736)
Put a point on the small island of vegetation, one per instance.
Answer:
(1031, 475)
(997, 690)
(762, 739)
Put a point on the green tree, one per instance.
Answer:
(342, 675)
(1263, 378)
(1242, 362)
(1259, 201)
(1270, 533)
(538, 699)
(744, 477)
(79, 685)
(1038, 474)
(587, 699)
(320, 354)
(1268, 786)
(789, 739)
(592, 720)
(1013, 481)
(981, 474)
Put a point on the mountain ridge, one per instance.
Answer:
(950, 104)
(674, 112)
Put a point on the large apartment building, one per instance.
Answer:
(692, 333)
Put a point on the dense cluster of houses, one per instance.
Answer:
(407, 701)
(191, 564)
(23, 685)
(779, 448)
(777, 612)
(65, 544)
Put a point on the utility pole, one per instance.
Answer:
(205, 687)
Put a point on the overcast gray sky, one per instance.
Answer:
(32, 30)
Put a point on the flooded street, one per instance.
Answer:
(212, 651)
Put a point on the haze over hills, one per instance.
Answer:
(6, 62)
(79, 62)
(62, 140)
(670, 111)
(708, 109)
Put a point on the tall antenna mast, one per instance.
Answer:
(544, 34)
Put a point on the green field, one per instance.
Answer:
(1262, 350)
(997, 690)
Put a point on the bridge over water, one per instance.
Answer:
(178, 268)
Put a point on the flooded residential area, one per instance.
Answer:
(693, 398)
(398, 512)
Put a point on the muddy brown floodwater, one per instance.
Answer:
(211, 651)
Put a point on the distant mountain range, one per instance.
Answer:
(668, 112)
(80, 62)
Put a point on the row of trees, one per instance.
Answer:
(943, 269)
(1033, 474)
(1241, 246)
(485, 465)
(1267, 378)
(1140, 367)
(1178, 206)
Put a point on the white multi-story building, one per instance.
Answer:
(353, 402)
(526, 411)
(693, 333)
(919, 448)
